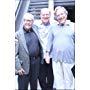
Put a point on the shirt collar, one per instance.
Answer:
(47, 24)
(30, 30)
(67, 23)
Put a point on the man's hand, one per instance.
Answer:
(47, 58)
(21, 71)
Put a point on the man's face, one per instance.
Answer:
(45, 16)
(27, 23)
(61, 16)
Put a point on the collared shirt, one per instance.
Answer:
(32, 43)
(44, 33)
(61, 42)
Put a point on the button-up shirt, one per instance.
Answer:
(44, 33)
(32, 43)
(61, 42)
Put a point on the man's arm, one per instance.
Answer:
(48, 47)
(18, 68)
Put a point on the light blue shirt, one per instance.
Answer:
(61, 43)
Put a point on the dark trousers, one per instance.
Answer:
(46, 76)
(31, 78)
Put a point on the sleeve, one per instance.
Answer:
(50, 41)
(17, 61)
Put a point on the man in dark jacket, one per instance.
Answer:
(27, 54)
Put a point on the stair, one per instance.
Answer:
(64, 2)
(35, 6)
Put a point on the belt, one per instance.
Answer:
(33, 57)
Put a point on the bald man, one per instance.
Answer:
(46, 72)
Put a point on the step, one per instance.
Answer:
(37, 6)
(39, 1)
(64, 1)
(64, 4)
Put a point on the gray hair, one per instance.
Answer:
(28, 16)
(60, 7)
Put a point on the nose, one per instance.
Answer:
(45, 15)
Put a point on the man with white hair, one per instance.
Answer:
(28, 53)
(61, 47)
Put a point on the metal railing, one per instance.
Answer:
(18, 8)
